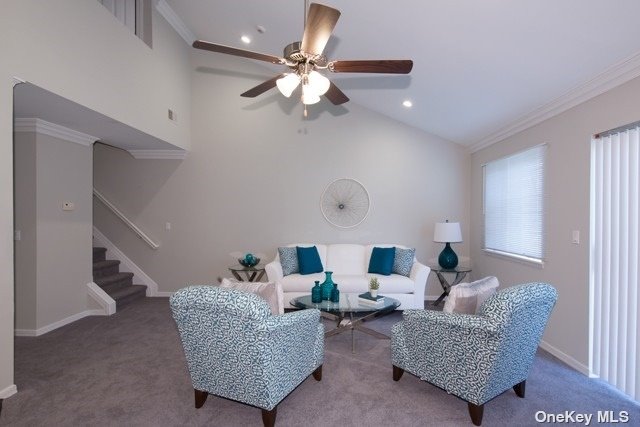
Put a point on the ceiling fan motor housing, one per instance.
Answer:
(293, 53)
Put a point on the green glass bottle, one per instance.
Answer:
(335, 293)
(316, 293)
(327, 286)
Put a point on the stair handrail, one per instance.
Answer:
(124, 219)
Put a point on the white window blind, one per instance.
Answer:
(615, 235)
(514, 205)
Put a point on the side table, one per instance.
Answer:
(251, 274)
(460, 272)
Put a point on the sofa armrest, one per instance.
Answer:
(274, 271)
(419, 274)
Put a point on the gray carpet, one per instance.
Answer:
(129, 369)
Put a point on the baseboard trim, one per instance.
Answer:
(164, 294)
(58, 324)
(8, 392)
(573, 363)
(107, 303)
(125, 261)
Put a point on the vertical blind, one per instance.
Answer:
(514, 204)
(614, 298)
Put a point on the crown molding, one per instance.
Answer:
(175, 21)
(613, 76)
(46, 128)
(159, 154)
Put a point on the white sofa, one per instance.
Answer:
(349, 263)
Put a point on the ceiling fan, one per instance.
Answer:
(305, 58)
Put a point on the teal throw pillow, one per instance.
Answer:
(309, 260)
(288, 260)
(403, 261)
(382, 260)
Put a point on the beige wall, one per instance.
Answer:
(76, 49)
(254, 178)
(568, 136)
(25, 221)
(53, 257)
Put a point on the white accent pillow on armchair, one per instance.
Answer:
(269, 291)
(467, 298)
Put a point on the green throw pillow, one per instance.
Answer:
(309, 260)
(382, 260)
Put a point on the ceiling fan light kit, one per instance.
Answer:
(305, 57)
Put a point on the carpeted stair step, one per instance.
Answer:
(99, 254)
(114, 282)
(127, 294)
(105, 268)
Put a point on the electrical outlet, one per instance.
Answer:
(575, 238)
(167, 226)
(17, 235)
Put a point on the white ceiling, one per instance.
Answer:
(480, 66)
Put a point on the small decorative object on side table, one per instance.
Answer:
(460, 272)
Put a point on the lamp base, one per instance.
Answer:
(448, 258)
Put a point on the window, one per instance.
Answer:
(514, 205)
(133, 14)
(614, 275)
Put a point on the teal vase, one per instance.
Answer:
(448, 258)
(316, 293)
(335, 293)
(327, 286)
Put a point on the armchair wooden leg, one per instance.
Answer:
(201, 397)
(476, 412)
(269, 417)
(317, 374)
(519, 389)
(397, 373)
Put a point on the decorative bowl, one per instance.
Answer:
(248, 263)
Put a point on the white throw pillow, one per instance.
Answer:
(467, 298)
(269, 291)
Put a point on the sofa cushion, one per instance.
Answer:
(345, 259)
(288, 260)
(309, 260)
(403, 261)
(300, 283)
(467, 298)
(382, 260)
(393, 284)
(270, 292)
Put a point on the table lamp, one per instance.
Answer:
(447, 232)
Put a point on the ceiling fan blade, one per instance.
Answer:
(335, 95)
(320, 23)
(261, 88)
(201, 44)
(402, 66)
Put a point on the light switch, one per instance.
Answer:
(68, 206)
(575, 239)
(17, 235)
(167, 226)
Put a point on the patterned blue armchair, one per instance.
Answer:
(237, 350)
(475, 357)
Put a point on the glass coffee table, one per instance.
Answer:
(349, 313)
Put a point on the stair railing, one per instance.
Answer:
(124, 219)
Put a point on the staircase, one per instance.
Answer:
(119, 286)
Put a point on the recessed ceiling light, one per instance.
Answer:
(407, 103)
(245, 39)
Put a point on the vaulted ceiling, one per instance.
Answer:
(482, 68)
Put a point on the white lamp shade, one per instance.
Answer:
(318, 82)
(288, 84)
(309, 95)
(447, 232)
